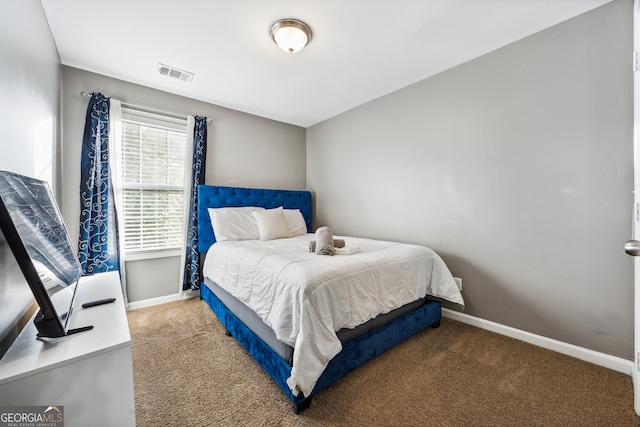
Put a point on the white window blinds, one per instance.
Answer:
(152, 158)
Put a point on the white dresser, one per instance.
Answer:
(89, 373)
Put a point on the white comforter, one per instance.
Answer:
(305, 298)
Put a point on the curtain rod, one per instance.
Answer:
(86, 94)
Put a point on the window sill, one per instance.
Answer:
(138, 256)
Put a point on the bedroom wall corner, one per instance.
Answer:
(242, 150)
(516, 167)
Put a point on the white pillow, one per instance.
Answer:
(295, 221)
(271, 224)
(234, 223)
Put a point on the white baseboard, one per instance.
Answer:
(601, 359)
(162, 300)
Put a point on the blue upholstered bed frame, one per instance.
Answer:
(354, 354)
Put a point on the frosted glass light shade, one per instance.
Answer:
(291, 35)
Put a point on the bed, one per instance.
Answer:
(319, 343)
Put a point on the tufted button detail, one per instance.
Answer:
(211, 196)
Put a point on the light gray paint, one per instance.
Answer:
(30, 82)
(516, 167)
(148, 278)
(243, 150)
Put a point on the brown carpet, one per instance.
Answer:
(188, 373)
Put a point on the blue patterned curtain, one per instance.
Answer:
(98, 244)
(191, 279)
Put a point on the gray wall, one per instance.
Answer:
(516, 167)
(243, 150)
(30, 83)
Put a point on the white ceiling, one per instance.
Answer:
(360, 49)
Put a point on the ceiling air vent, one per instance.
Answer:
(172, 72)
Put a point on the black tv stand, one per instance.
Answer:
(69, 332)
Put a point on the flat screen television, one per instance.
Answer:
(32, 227)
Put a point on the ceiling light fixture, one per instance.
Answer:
(291, 35)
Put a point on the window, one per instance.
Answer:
(152, 181)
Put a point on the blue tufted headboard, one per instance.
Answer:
(213, 196)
